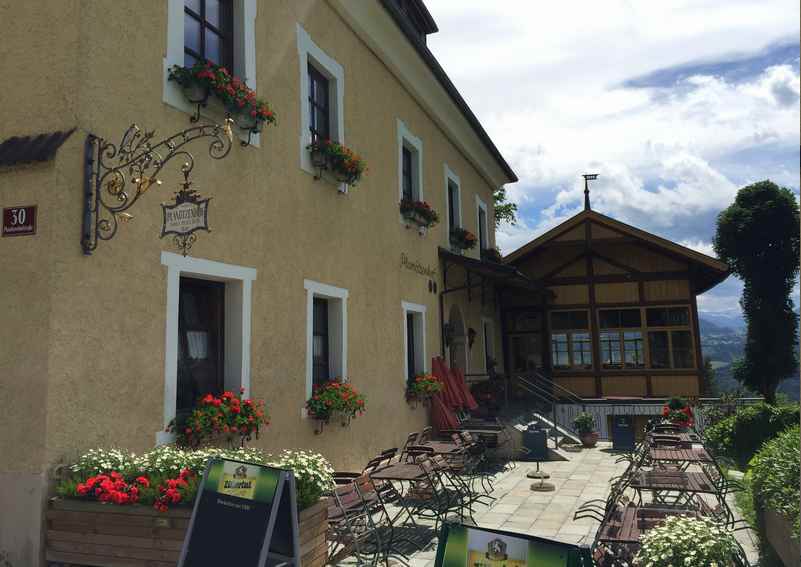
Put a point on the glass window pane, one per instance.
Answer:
(191, 33)
(630, 318)
(560, 355)
(193, 5)
(678, 316)
(658, 347)
(610, 348)
(560, 320)
(633, 351)
(682, 349)
(579, 320)
(582, 350)
(189, 60)
(321, 123)
(213, 15)
(213, 47)
(609, 318)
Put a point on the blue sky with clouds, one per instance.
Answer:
(676, 104)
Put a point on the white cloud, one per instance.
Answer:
(548, 82)
(700, 246)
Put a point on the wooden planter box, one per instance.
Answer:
(780, 535)
(106, 535)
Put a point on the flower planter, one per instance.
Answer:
(589, 440)
(244, 120)
(319, 159)
(106, 535)
(195, 93)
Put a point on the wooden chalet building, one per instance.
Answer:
(617, 316)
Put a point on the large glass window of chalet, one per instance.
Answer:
(621, 338)
(670, 343)
(320, 340)
(201, 321)
(319, 105)
(209, 32)
(571, 344)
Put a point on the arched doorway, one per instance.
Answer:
(457, 349)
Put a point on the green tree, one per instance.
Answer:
(758, 237)
(505, 211)
(711, 389)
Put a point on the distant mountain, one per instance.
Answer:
(732, 321)
(724, 344)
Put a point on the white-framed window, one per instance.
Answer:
(184, 17)
(410, 164)
(202, 297)
(322, 96)
(488, 334)
(414, 340)
(481, 222)
(453, 204)
(326, 333)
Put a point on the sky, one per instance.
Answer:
(676, 104)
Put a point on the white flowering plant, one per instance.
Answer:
(99, 461)
(313, 474)
(683, 541)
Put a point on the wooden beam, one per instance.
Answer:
(613, 262)
(594, 334)
(619, 278)
(563, 266)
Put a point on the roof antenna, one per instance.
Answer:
(588, 177)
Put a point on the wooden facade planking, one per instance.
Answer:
(623, 269)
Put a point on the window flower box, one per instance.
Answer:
(345, 165)
(336, 400)
(422, 388)
(89, 523)
(463, 239)
(227, 419)
(93, 533)
(204, 79)
(419, 213)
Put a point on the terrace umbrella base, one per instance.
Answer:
(538, 474)
(542, 487)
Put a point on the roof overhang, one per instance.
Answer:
(389, 35)
(707, 271)
(500, 275)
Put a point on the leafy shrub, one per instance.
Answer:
(740, 436)
(584, 423)
(688, 542)
(775, 472)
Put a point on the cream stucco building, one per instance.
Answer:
(92, 345)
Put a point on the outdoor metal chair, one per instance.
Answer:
(351, 525)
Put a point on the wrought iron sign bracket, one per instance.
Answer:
(116, 176)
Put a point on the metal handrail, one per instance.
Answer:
(545, 395)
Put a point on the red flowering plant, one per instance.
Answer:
(174, 491)
(344, 163)
(227, 415)
(462, 238)
(423, 387)
(679, 412)
(203, 79)
(335, 396)
(419, 212)
(112, 488)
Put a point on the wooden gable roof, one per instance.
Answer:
(709, 271)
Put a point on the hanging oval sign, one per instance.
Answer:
(185, 218)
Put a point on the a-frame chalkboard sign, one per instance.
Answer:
(245, 515)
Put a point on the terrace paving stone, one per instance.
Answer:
(585, 476)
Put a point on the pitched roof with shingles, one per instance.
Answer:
(25, 149)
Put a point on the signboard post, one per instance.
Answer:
(245, 515)
(19, 221)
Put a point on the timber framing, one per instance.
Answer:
(603, 264)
